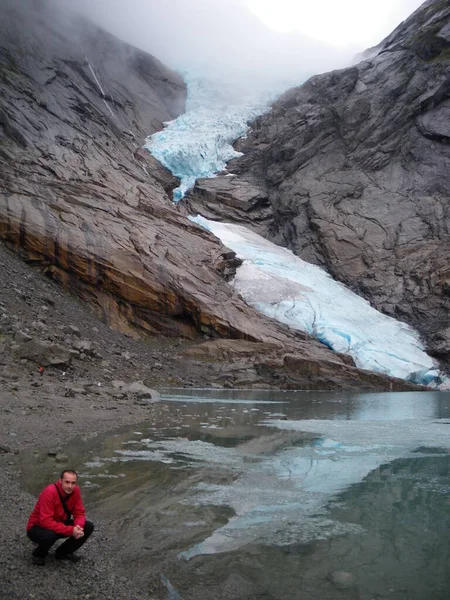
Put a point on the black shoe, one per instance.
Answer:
(70, 557)
(38, 560)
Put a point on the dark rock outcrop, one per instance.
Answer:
(351, 171)
(242, 364)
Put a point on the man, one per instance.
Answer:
(59, 513)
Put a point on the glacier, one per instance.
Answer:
(283, 286)
(272, 279)
(199, 142)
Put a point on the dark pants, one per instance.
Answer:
(45, 538)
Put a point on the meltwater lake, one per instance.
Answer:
(278, 495)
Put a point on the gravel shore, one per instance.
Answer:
(87, 392)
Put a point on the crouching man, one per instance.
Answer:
(59, 513)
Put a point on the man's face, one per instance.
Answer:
(68, 482)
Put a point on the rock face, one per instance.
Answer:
(351, 171)
(81, 198)
(242, 364)
(44, 354)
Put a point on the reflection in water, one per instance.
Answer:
(400, 552)
(284, 495)
(404, 509)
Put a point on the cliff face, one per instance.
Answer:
(352, 171)
(81, 198)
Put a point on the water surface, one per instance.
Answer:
(263, 494)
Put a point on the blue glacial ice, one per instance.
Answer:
(199, 142)
(303, 296)
(282, 286)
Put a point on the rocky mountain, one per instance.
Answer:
(81, 200)
(351, 171)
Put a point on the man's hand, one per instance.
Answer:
(78, 532)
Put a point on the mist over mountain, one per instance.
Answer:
(215, 36)
(351, 172)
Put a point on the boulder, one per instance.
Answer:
(43, 353)
(85, 346)
(141, 391)
(342, 579)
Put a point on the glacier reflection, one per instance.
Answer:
(278, 489)
(284, 457)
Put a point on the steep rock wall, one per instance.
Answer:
(80, 199)
(351, 171)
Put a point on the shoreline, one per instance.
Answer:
(84, 397)
(95, 380)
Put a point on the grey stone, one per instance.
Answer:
(43, 353)
(49, 299)
(85, 346)
(73, 389)
(71, 330)
(118, 384)
(342, 579)
(61, 458)
(141, 391)
(21, 336)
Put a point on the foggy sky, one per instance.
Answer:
(217, 34)
(223, 33)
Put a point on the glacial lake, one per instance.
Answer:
(278, 495)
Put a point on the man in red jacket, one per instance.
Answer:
(59, 513)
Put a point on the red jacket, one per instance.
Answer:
(49, 512)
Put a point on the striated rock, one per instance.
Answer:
(237, 363)
(80, 199)
(354, 169)
(230, 198)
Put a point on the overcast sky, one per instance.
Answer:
(251, 35)
(361, 23)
